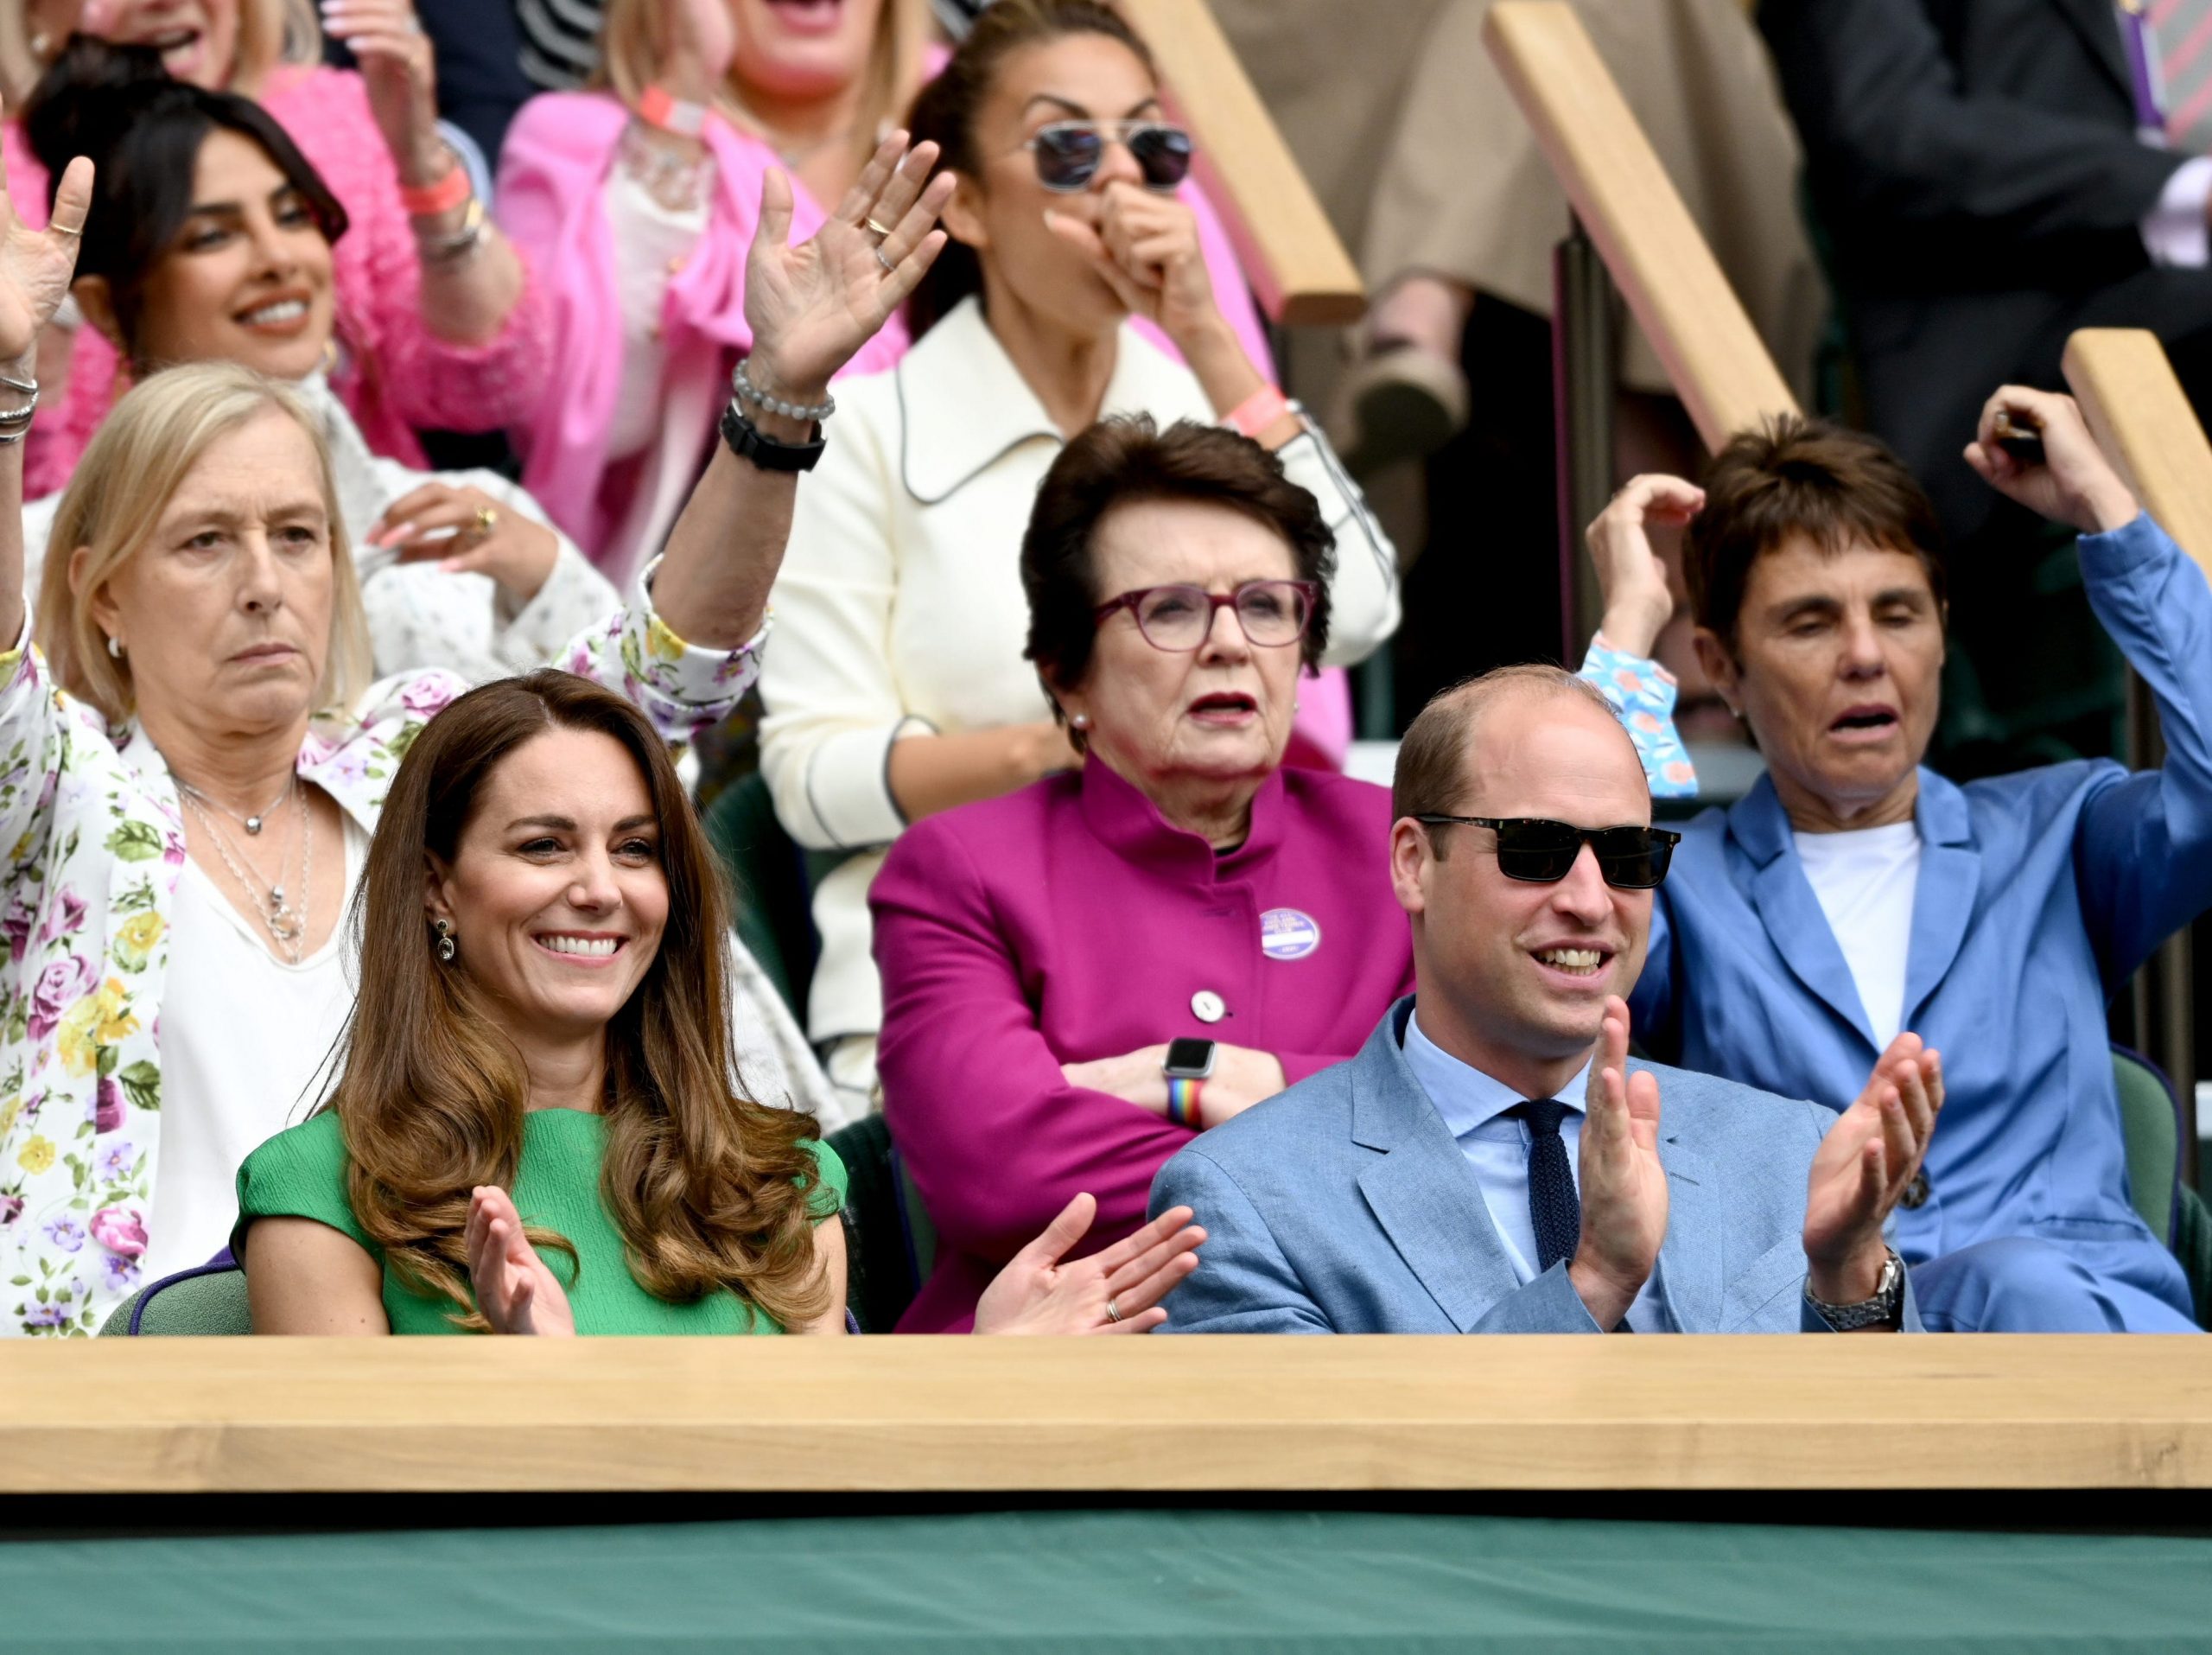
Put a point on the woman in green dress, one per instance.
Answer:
(533, 1130)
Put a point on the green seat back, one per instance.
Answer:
(768, 876)
(195, 1307)
(2150, 1123)
(891, 1241)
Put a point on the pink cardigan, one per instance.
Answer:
(553, 173)
(399, 373)
(1068, 921)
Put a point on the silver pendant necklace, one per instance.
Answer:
(285, 920)
(254, 823)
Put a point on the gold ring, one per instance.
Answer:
(487, 518)
(881, 232)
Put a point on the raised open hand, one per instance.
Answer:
(810, 307)
(1623, 1186)
(514, 1289)
(1117, 1291)
(1864, 1165)
(1631, 578)
(399, 68)
(36, 265)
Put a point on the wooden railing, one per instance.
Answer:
(1674, 287)
(1254, 1413)
(2143, 421)
(1298, 269)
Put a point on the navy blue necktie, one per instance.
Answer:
(1554, 1207)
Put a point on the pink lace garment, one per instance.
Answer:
(396, 373)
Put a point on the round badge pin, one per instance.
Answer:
(1287, 933)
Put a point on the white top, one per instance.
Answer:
(243, 1035)
(899, 607)
(651, 243)
(1865, 881)
(419, 617)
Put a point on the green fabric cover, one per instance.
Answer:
(2147, 1122)
(768, 880)
(1189, 1582)
(2193, 1246)
(200, 1307)
(301, 1173)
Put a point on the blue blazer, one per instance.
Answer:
(2039, 893)
(1344, 1206)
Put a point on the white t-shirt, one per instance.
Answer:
(1865, 880)
(243, 1035)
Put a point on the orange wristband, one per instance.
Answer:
(1258, 411)
(431, 200)
(656, 106)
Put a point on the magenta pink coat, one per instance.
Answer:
(553, 173)
(1069, 921)
(398, 374)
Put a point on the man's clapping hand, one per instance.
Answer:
(1862, 1167)
(1624, 1187)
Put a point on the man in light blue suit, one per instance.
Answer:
(1493, 1162)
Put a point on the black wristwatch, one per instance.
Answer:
(746, 442)
(1188, 1059)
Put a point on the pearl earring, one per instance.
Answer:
(114, 648)
(445, 943)
(1081, 721)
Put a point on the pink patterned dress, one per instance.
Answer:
(396, 373)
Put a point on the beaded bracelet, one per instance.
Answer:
(745, 390)
(1183, 1103)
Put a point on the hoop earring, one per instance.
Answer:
(445, 945)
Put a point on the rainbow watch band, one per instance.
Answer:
(1183, 1103)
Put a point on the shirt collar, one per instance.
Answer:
(1128, 823)
(1465, 1097)
(963, 402)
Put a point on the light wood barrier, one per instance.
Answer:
(1299, 269)
(1674, 287)
(962, 1415)
(2142, 420)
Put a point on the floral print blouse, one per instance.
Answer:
(92, 842)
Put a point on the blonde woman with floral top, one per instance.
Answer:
(181, 820)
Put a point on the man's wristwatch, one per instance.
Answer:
(1885, 1308)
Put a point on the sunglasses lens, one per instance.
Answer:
(1067, 156)
(1631, 859)
(1164, 154)
(1538, 851)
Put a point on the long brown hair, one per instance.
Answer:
(946, 109)
(709, 1189)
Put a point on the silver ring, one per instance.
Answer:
(1113, 1311)
(889, 269)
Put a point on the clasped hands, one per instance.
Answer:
(1859, 1172)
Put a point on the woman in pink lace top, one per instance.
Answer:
(438, 324)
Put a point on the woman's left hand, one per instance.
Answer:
(1241, 1077)
(468, 533)
(1144, 246)
(2075, 484)
(1115, 1291)
(810, 307)
(400, 68)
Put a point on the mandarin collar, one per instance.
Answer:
(963, 403)
(1128, 823)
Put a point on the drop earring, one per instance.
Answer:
(114, 648)
(445, 943)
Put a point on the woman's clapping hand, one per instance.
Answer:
(1117, 1291)
(514, 1289)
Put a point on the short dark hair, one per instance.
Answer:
(1121, 461)
(1430, 777)
(1795, 476)
(144, 132)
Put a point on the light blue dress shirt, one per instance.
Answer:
(1474, 1107)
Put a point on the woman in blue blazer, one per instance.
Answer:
(1854, 891)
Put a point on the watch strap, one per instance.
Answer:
(746, 442)
(1886, 1305)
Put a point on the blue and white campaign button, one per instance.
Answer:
(1285, 933)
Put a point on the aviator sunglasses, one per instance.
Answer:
(1543, 853)
(1068, 153)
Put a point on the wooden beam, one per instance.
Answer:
(1298, 268)
(1713, 357)
(2142, 420)
(947, 1414)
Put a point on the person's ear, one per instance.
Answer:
(96, 301)
(1720, 666)
(437, 886)
(101, 603)
(1411, 858)
(963, 217)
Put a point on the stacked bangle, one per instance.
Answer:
(448, 250)
(1182, 1103)
(15, 423)
(656, 106)
(745, 390)
(1259, 411)
(429, 201)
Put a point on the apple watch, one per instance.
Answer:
(1189, 1061)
